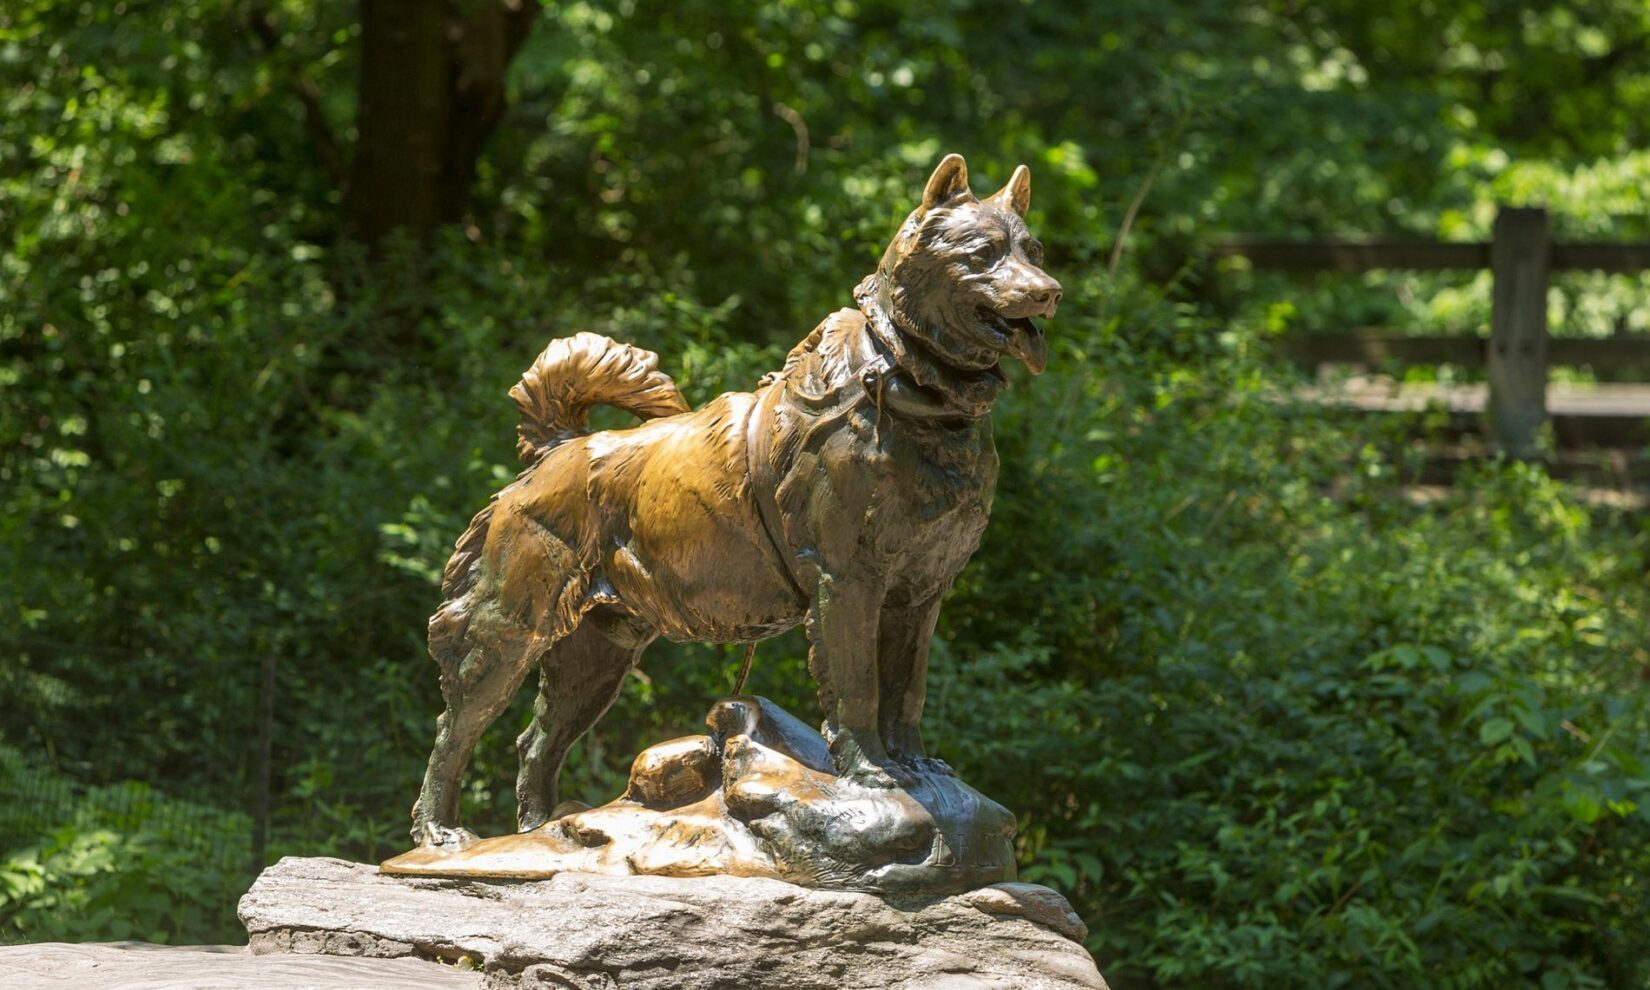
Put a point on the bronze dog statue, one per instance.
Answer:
(847, 492)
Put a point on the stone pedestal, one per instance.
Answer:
(579, 931)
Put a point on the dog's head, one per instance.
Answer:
(964, 276)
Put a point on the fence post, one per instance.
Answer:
(261, 770)
(1519, 253)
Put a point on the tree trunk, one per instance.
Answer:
(431, 94)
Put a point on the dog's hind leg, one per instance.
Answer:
(475, 692)
(579, 679)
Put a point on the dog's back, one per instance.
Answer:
(677, 535)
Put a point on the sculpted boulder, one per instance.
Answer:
(675, 773)
(758, 796)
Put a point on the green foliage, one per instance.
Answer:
(1267, 721)
(151, 870)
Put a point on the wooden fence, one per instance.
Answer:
(1521, 256)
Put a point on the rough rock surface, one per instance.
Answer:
(593, 932)
(142, 966)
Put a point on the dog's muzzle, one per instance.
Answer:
(1020, 338)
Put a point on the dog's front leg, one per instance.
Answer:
(903, 636)
(842, 635)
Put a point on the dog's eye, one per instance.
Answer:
(1034, 252)
(987, 252)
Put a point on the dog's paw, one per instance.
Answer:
(926, 766)
(448, 838)
(871, 776)
(889, 777)
(860, 758)
(932, 766)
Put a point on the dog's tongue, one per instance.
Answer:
(1027, 344)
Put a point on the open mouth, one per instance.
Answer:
(1018, 336)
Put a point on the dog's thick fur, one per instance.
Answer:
(847, 492)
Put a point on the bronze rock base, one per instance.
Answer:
(757, 797)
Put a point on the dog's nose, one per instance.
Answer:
(1049, 296)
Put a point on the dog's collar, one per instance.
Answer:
(970, 394)
(892, 390)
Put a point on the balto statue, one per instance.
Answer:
(846, 493)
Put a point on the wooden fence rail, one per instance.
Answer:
(1607, 356)
(1363, 254)
(1521, 256)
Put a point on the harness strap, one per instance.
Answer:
(759, 430)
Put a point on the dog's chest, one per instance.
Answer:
(928, 477)
(912, 497)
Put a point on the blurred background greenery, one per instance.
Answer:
(269, 266)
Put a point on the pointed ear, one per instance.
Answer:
(950, 180)
(1017, 194)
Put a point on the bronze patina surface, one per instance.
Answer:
(846, 493)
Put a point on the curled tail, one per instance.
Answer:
(554, 396)
(584, 370)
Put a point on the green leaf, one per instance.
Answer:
(1495, 730)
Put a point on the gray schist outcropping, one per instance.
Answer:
(143, 966)
(590, 932)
